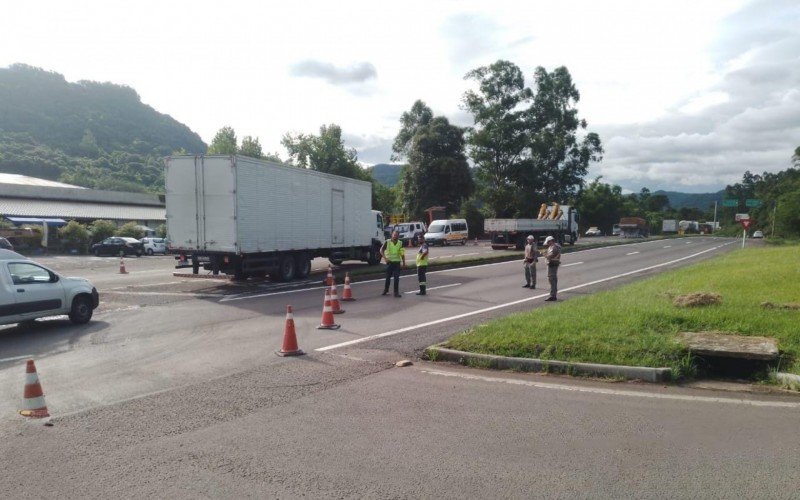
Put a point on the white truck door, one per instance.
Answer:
(182, 217)
(217, 188)
(337, 217)
(37, 291)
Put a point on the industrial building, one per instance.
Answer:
(28, 200)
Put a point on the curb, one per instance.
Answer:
(221, 277)
(544, 365)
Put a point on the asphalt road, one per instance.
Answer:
(175, 390)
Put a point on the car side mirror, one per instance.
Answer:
(54, 278)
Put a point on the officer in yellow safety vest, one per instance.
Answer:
(393, 253)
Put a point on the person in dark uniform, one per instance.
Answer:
(422, 267)
(553, 256)
(395, 256)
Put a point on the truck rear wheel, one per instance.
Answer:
(302, 266)
(286, 268)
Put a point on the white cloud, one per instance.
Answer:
(685, 94)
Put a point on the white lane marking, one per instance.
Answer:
(572, 264)
(246, 296)
(616, 392)
(436, 287)
(465, 254)
(667, 246)
(174, 294)
(513, 303)
(631, 253)
(15, 358)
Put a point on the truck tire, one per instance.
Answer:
(336, 262)
(302, 266)
(286, 268)
(81, 311)
(374, 256)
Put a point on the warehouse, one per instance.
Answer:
(28, 200)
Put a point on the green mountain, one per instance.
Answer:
(700, 201)
(91, 134)
(386, 173)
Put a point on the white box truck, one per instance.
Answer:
(248, 217)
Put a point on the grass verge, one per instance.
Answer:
(637, 324)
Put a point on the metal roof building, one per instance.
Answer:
(27, 197)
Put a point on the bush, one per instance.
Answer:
(102, 229)
(74, 236)
(131, 230)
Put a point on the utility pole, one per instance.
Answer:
(714, 227)
(774, 210)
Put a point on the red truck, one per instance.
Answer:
(633, 227)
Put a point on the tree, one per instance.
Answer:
(251, 147)
(161, 231)
(559, 158)
(497, 142)
(131, 230)
(325, 152)
(74, 236)
(224, 143)
(102, 229)
(601, 205)
(525, 143)
(410, 122)
(438, 172)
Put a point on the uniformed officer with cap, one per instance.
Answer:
(530, 262)
(553, 256)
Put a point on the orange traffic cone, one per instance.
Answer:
(347, 294)
(122, 266)
(289, 337)
(33, 403)
(327, 314)
(335, 305)
(329, 279)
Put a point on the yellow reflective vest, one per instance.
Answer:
(394, 251)
(422, 258)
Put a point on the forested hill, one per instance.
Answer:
(700, 201)
(92, 134)
(386, 173)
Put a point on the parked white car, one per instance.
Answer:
(154, 245)
(29, 290)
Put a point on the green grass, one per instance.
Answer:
(637, 324)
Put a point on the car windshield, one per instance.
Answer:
(436, 228)
(130, 240)
(402, 228)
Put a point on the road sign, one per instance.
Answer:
(730, 203)
(741, 217)
(752, 203)
(745, 223)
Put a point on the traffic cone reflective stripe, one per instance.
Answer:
(327, 314)
(122, 266)
(329, 278)
(289, 347)
(335, 305)
(347, 294)
(33, 404)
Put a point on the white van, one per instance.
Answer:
(447, 232)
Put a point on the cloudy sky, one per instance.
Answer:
(686, 95)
